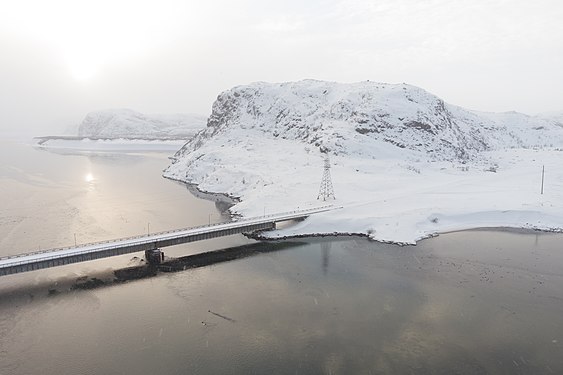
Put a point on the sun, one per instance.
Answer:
(83, 72)
(88, 37)
(82, 68)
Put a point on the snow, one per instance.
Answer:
(127, 130)
(552, 116)
(126, 123)
(111, 145)
(404, 164)
(406, 207)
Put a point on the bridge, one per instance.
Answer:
(150, 244)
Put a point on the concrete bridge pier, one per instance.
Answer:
(154, 256)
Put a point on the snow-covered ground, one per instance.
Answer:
(109, 145)
(404, 164)
(390, 199)
(396, 204)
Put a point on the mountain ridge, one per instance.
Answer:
(405, 116)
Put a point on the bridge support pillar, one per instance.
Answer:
(154, 256)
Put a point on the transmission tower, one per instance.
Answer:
(326, 191)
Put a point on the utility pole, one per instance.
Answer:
(542, 177)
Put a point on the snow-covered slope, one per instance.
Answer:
(125, 123)
(352, 119)
(387, 142)
(553, 116)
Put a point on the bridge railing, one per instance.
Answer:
(148, 238)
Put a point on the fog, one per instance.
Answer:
(62, 59)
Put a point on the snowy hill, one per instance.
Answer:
(356, 118)
(553, 116)
(125, 123)
(262, 144)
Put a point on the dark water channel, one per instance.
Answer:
(475, 302)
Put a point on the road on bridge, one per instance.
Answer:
(61, 256)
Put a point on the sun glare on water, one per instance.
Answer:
(89, 177)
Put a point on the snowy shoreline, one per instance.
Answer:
(410, 207)
(262, 237)
(494, 225)
(444, 200)
(108, 144)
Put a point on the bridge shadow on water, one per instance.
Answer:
(197, 261)
(100, 279)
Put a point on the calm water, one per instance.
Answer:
(472, 302)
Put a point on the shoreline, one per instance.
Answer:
(517, 230)
(46, 138)
(193, 187)
(108, 277)
(219, 198)
(105, 145)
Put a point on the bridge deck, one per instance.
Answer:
(61, 256)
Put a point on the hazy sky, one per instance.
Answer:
(63, 58)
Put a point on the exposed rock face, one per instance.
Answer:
(125, 123)
(355, 119)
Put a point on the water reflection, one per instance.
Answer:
(140, 270)
(123, 193)
(440, 307)
(325, 249)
